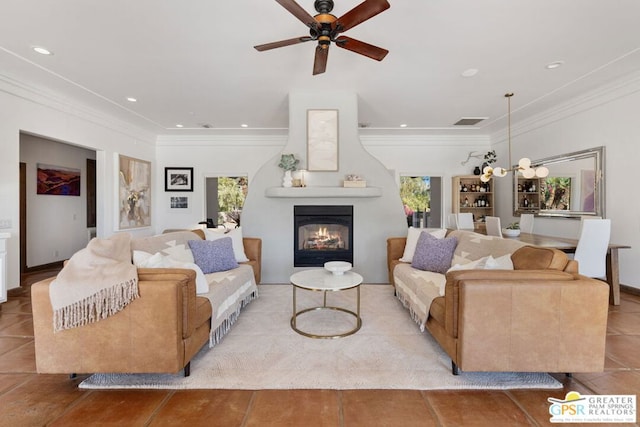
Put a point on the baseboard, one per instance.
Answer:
(630, 290)
(44, 267)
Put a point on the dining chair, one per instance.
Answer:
(452, 221)
(465, 221)
(591, 251)
(493, 226)
(526, 223)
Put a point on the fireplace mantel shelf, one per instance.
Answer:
(301, 192)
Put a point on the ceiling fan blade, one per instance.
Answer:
(320, 61)
(366, 49)
(282, 43)
(365, 10)
(296, 10)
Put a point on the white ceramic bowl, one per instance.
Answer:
(510, 232)
(337, 267)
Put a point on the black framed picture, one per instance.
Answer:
(178, 179)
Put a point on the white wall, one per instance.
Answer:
(607, 118)
(209, 156)
(23, 110)
(62, 219)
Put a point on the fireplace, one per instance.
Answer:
(322, 233)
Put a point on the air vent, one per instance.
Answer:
(469, 121)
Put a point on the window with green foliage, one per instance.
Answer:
(231, 194)
(415, 192)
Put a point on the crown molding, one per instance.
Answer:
(425, 140)
(221, 140)
(53, 101)
(592, 99)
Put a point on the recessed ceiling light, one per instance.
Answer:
(131, 99)
(470, 72)
(41, 50)
(403, 125)
(244, 125)
(179, 125)
(554, 64)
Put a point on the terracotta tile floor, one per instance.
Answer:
(29, 399)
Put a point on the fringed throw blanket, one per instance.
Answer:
(417, 289)
(96, 282)
(229, 292)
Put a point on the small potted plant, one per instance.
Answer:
(512, 230)
(288, 163)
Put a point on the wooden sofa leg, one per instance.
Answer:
(454, 368)
(187, 369)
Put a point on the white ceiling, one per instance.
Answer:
(192, 61)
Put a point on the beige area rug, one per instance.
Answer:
(262, 351)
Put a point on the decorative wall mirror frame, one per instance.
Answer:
(575, 186)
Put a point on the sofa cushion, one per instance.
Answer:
(433, 254)
(535, 258)
(213, 256)
(236, 238)
(172, 244)
(412, 240)
(473, 246)
(486, 263)
(144, 259)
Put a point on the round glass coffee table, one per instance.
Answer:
(321, 280)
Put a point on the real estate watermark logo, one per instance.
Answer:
(588, 408)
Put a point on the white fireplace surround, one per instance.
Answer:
(377, 209)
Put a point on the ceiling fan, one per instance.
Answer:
(326, 28)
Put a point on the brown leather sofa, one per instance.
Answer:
(159, 332)
(540, 317)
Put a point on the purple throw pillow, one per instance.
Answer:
(433, 254)
(213, 255)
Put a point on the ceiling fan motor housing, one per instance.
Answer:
(323, 6)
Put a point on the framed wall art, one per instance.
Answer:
(178, 179)
(179, 202)
(57, 180)
(134, 193)
(322, 140)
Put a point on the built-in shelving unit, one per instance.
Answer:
(316, 192)
(528, 195)
(472, 195)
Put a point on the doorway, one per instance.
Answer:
(54, 225)
(224, 200)
(421, 196)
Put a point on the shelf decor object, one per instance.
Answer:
(288, 163)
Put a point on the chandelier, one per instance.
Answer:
(524, 164)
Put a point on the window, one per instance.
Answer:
(225, 199)
(421, 197)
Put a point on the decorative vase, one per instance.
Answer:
(287, 180)
(484, 165)
(477, 171)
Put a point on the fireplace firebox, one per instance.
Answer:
(322, 233)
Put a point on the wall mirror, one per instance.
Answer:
(574, 187)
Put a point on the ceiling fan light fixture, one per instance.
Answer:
(326, 28)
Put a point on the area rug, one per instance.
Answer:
(262, 351)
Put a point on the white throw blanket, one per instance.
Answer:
(96, 282)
